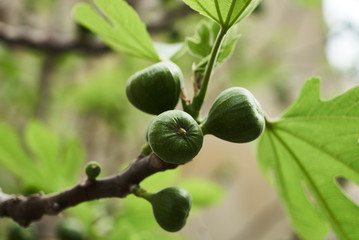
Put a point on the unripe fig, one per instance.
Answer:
(171, 208)
(175, 137)
(70, 229)
(93, 170)
(155, 89)
(235, 116)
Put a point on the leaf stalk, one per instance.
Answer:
(198, 99)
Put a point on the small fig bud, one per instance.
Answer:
(155, 89)
(171, 207)
(175, 137)
(93, 170)
(235, 116)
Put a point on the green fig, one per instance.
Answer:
(70, 229)
(93, 170)
(171, 207)
(155, 89)
(235, 116)
(175, 137)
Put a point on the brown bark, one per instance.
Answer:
(26, 210)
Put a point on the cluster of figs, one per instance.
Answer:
(176, 137)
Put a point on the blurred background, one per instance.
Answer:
(63, 103)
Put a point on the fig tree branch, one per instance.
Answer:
(28, 37)
(17, 36)
(25, 210)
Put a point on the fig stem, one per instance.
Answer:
(268, 123)
(142, 193)
(204, 127)
(146, 149)
(198, 99)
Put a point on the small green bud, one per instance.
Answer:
(93, 170)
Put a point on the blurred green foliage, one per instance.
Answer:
(18, 74)
(309, 3)
(40, 159)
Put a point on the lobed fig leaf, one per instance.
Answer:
(303, 154)
(119, 26)
(235, 116)
(155, 89)
(225, 12)
(175, 137)
(171, 207)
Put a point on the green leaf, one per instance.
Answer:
(44, 145)
(311, 145)
(169, 51)
(46, 163)
(73, 156)
(55, 158)
(119, 26)
(12, 155)
(201, 44)
(225, 12)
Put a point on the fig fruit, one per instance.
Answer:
(235, 116)
(175, 137)
(155, 89)
(171, 207)
(93, 170)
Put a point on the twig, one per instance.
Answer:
(25, 210)
(38, 39)
(26, 37)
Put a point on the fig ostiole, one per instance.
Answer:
(235, 116)
(155, 89)
(175, 137)
(171, 206)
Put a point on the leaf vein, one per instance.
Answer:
(319, 148)
(240, 13)
(219, 12)
(286, 119)
(351, 107)
(314, 187)
(205, 10)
